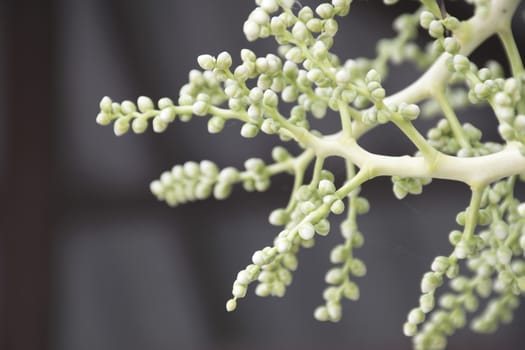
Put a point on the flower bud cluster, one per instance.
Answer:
(197, 181)
(443, 139)
(339, 277)
(495, 259)
(128, 114)
(405, 185)
(308, 216)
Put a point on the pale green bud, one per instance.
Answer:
(103, 118)
(430, 282)
(238, 290)
(338, 254)
(106, 105)
(351, 291)
(159, 125)
(321, 314)
(300, 32)
(337, 207)
(409, 111)
(440, 264)
(326, 187)
(451, 45)
(426, 302)
(436, 29)
(249, 130)
(325, 11)
(358, 268)
(461, 63)
(145, 104)
(139, 125)
(128, 107)
(425, 19)
(270, 126)
(251, 30)
(409, 329)
(306, 231)
(270, 98)
(231, 305)
(206, 62)
(121, 126)
(215, 125)
(334, 276)
(416, 316)
(263, 290)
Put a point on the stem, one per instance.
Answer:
(452, 118)
(346, 121)
(472, 213)
(318, 167)
(415, 136)
(511, 49)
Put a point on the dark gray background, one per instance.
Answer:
(128, 272)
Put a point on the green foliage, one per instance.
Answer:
(314, 83)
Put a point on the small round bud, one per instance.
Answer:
(426, 302)
(215, 125)
(416, 316)
(206, 62)
(306, 231)
(231, 305)
(105, 104)
(249, 130)
(430, 282)
(321, 314)
(145, 104)
(436, 29)
(326, 187)
(128, 107)
(121, 126)
(409, 329)
(425, 19)
(251, 30)
(139, 125)
(103, 118)
(337, 207)
(159, 125)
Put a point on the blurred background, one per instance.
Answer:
(90, 260)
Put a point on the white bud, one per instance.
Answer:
(206, 62)
(259, 16)
(259, 258)
(167, 115)
(106, 104)
(416, 316)
(231, 305)
(103, 118)
(251, 30)
(145, 104)
(224, 60)
(139, 125)
(239, 290)
(159, 125)
(306, 231)
(121, 126)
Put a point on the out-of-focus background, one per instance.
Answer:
(90, 260)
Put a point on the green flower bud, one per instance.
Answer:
(145, 104)
(426, 302)
(430, 282)
(249, 130)
(306, 231)
(206, 62)
(231, 305)
(416, 316)
(121, 126)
